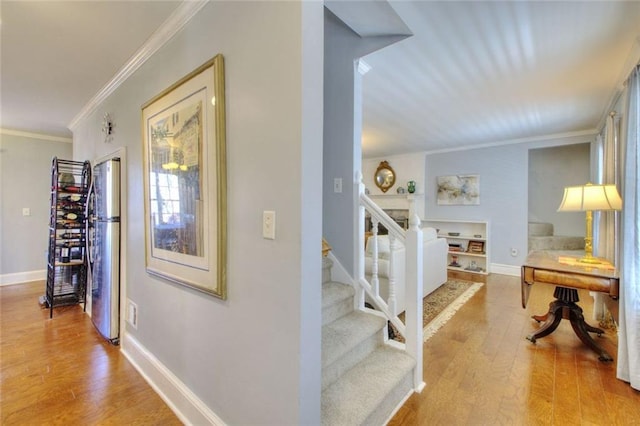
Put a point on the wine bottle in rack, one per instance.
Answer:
(70, 235)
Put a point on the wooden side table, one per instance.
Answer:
(569, 275)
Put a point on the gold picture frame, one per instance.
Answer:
(185, 185)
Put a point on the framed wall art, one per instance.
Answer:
(185, 181)
(476, 247)
(458, 190)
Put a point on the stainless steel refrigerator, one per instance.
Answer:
(103, 238)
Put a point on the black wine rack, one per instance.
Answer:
(67, 255)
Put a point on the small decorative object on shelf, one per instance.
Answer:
(455, 247)
(476, 247)
(473, 267)
(400, 190)
(411, 186)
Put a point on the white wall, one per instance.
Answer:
(25, 181)
(550, 170)
(254, 358)
(504, 185)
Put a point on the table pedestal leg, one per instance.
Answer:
(551, 321)
(565, 307)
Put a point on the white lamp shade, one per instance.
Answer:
(590, 197)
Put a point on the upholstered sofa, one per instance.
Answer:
(434, 269)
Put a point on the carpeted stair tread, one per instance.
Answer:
(357, 394)
(347, 332)
(333, 292)
(337, 301)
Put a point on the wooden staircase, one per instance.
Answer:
(364, 378)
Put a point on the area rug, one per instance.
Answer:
(441, 305)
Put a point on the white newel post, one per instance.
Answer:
(414, 297)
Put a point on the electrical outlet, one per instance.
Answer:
(132, 314)
(26, 211)
(269, 225)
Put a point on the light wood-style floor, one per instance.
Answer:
(60, 371)
(480, 370)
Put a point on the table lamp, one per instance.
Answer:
(587, 198)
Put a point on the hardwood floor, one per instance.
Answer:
(480, 369)
(60, 371)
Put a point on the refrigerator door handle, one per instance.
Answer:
(90, 225)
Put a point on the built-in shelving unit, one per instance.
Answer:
(468, 244)
(67, 262)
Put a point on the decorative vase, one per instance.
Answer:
(411, 186)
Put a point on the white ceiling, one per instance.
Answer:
(56, 55)
(481, 73)
(473, 73)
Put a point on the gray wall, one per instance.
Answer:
(504, 187)
(550, 170)
(254, 358)
(25, 181)
(343, 131)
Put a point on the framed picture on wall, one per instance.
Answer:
(458, 190)
(475, 247)
(185, 181)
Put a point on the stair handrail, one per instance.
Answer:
(411, 329)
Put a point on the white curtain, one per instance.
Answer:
(606, 223)
(629, 304)
(608, 220)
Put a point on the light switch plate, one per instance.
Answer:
(269, 224)
(337, 185)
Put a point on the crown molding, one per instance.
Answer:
(633, 60)
(178, 19)
(35, 135)
(556, 138)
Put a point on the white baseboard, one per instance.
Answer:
(513, 270)
(23, 277)
(338, 273)
(184, 403)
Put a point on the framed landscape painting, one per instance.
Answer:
(185, 181)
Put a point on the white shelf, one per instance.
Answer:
(460, 269)
(400, 196)
(468, 231)
(462, 237)
(466, 253)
